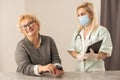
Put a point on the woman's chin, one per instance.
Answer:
(30, 34)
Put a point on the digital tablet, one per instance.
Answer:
(95, 46)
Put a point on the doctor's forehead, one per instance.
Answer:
(82, 11)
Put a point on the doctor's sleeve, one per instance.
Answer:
(72, 44)
(106, 46)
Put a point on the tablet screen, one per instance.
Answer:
(95, 46)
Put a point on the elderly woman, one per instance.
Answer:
(88, 33)
(35, 53)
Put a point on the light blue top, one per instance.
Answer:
(80, 45)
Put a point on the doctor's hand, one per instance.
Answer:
(81, 57)
(91, 55)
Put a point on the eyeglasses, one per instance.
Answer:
(29, 24)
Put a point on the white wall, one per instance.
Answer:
(9, 34)
(58, 20)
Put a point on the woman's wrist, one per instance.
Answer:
(40, 69)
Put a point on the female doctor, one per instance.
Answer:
(88, 33)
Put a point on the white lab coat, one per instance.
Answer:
(80, 45)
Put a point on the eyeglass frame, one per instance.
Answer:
(29, 24)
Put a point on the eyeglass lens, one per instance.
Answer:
(29, 24)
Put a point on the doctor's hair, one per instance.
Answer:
(28, 16)
(90, 9)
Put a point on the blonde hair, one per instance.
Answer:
(90, 9)
(27, 16)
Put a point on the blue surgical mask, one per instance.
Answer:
(84, 20)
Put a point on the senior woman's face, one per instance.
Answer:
(29, 27)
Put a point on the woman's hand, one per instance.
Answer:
(58, 73)
(47, 68)
(52, 69)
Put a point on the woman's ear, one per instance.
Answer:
(20, 30)
(91, 16)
